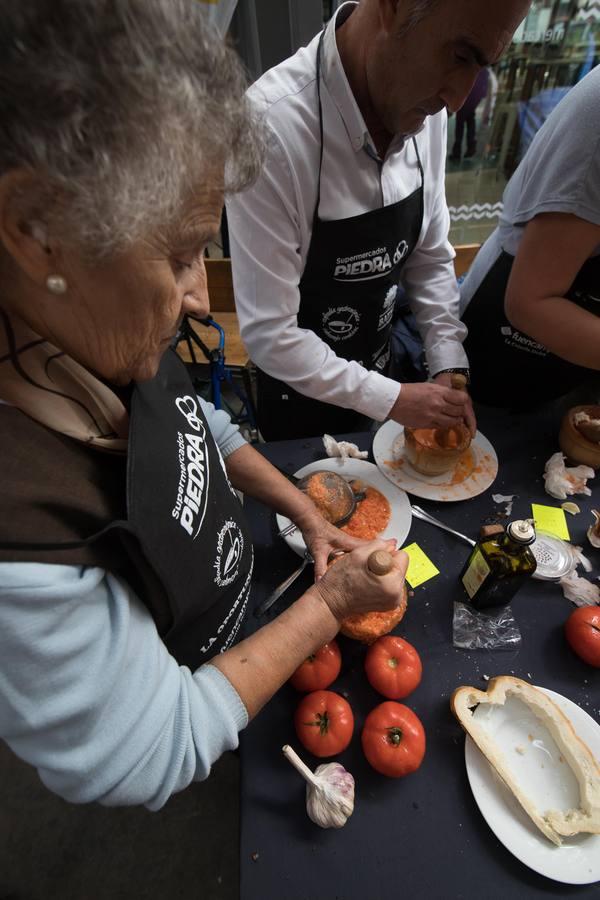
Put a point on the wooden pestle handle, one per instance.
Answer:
(380, 562)
(458, 381)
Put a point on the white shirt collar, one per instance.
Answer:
(334, 76)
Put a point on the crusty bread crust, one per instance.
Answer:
(555, 824)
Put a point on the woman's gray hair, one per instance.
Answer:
(122, 108)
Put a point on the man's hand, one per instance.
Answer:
(431, 405)
(445, 378)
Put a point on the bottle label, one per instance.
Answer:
(476, 574)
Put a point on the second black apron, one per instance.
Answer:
(347, 295)
(509, 368)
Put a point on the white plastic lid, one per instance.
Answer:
(522, 531)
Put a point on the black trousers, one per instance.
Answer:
(461, 121)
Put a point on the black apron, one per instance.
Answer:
(347, 295)
(508, 368)
(180, 541)
(187, 516)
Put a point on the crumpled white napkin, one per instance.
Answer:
(343, 449)
(562, 482)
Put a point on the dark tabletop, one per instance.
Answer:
(422, 836)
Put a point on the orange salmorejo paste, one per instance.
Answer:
(371, 516)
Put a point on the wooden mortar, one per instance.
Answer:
(576, 447)
(434, 451)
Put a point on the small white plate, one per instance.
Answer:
(577, 861)
(401, 516)
(388, 450)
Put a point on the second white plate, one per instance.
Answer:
(577, 861)
(401, 516)
(399, 471)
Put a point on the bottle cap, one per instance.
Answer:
(522, 531)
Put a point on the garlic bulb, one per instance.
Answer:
(561, 482)
(329, 791)
(594, 530)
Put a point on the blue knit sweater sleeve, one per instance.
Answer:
(90, 696)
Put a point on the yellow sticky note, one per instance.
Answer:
(551, 519)
(420, 567)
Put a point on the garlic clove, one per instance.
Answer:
(329, 791)
(579, 590)
(593, 532)
(561, 482)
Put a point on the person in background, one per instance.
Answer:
(531, 300)
(466, 116)
(350, 206)
(125, 558)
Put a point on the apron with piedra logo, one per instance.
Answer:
(347, 296)
(509, 368)
(165, 518)
(186, 515)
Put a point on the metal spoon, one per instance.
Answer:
(282, 588)
(425, 517)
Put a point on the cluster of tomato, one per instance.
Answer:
(393, 738)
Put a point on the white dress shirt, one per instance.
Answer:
(270, 228)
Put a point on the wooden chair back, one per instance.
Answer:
(220, 285)
(465, 254)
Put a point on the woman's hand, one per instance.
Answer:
(322, 539)
(349, 587)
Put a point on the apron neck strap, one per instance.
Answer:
(319, 52)
(420, 165)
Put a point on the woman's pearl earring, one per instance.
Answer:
(56, 284)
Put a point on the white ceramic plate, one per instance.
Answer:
(397, 468)
(401, 516)
(577, 861)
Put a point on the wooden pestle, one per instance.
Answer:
(458, 382)
(380, 562)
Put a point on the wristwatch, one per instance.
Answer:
(465, 372)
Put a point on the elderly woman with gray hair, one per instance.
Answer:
(125, 561)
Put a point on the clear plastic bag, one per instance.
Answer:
(491, 629)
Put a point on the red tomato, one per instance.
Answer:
(324, 723)
(320, 669)
(582, 629)
(393, 740)
(393, 667)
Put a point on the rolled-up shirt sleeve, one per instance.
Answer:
(91, 697)
(267, 228)
(227, 435)
(430, 282)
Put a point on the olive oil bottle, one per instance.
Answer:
(498, 566)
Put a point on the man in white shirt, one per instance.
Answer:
(350, 204)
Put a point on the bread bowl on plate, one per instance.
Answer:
(537, 753)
